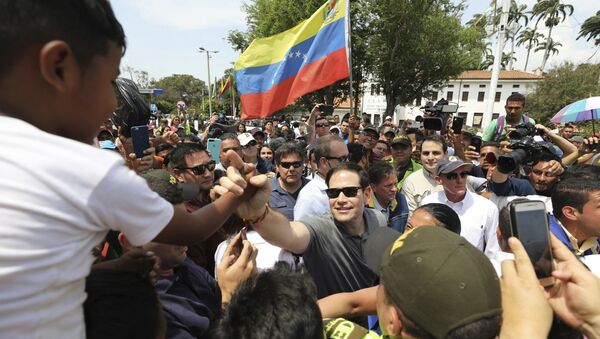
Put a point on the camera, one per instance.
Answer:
(132, 110)
(523, 130)
(525, 151)
(438, 114)
(222, 126)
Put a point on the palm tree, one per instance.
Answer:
(516, 14)
(552, 12)
(530, 38)
(591, 28)
(507, 59)
(549, 46)
(478, 20)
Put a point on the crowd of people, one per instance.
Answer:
(310, 226)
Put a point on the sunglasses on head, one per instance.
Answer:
(295, 164)
(250, 144)
(200, 169)
(452, 176)
(349, 192)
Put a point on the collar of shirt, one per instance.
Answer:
(588, 244)
(320, 182)
(376, 205)
(276, 187)
(466, 202)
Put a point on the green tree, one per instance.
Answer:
(549, 46)
(516, 15)
(415, 46)
(561, 86)
(553, 12)
(180, 86)
(529, 38)
(591, 28)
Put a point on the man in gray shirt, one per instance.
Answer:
(332, 245)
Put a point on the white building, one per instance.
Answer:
(469, 91)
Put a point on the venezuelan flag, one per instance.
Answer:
(275, 71)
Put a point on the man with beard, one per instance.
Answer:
(191, 163)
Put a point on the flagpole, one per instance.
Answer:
(349, 50)
(232, 97)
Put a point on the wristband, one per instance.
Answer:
(259, 219)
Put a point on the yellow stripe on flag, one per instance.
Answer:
(273, 49)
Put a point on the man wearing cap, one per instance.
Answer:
(250, 154)
(401, 158)
(478, 216)
(435, 284)
(259, 136)
(388, 133)
(329, 152)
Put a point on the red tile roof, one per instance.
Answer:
(504, 75)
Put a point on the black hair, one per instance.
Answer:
(323, 147)
(356, 152)
(583, 171)
(518, 97)
(86, 25)
(277, 303)
(437, 139)
(574, 192)
(379, 170)
(121, 304)
(289, 148)
(445, 216)
(177, 156)
(351, 167)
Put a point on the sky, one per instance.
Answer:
(163, 37)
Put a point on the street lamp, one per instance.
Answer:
(202, 49)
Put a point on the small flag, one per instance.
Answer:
(225, 86)
(275, 71)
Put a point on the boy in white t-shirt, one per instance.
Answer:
(58, 195)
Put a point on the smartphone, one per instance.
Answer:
(433, 123)
(476, 142)
(326, 109)
(457, 124)
(529, 223)
(140, 139)
(239, 245)
(213, 145)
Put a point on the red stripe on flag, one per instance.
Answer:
(311, 77)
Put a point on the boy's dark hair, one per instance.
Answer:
(518, 97)
(289, 148)
(86, 25)
(379, 170)
(445, 216)
(277, 303)
(177, 156)
(351, 167)
(437, 139)
(574, 192)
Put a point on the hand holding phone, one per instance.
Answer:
(476, 142)
(326, 109)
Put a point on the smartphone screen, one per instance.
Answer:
(457, 124)
(530, 224)
(140, 139)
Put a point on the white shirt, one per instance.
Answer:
(312, 199)
(59, 199)
(478, 220)
(267, 255)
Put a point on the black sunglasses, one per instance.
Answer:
(200, 169)
(452, 176)
(296, 164)
(321, 125)
(250, 144)
(343, 158)
(349, 192)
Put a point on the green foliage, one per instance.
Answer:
(553, 12)
(175, 87)
(591, 28)
(562, 86)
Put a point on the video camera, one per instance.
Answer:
(523, 130)
(526, 151)
(438, 114)
(222, 126)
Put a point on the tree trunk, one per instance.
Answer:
(390, 106)
(527, 58)
(547, 51)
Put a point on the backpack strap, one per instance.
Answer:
(499, 127)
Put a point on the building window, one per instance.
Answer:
(465, 96)
(516, 86)
(450, 86)
(466, 86)
(495, 115)
(499, 86)
(434, 96)
(480, 96)
(477, 119)
(463, 115)
(450, 96)
(498, 95)
(481, 86)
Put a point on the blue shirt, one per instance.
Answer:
(512, 186)
(283, 201)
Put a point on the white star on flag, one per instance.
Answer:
(298, 54)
